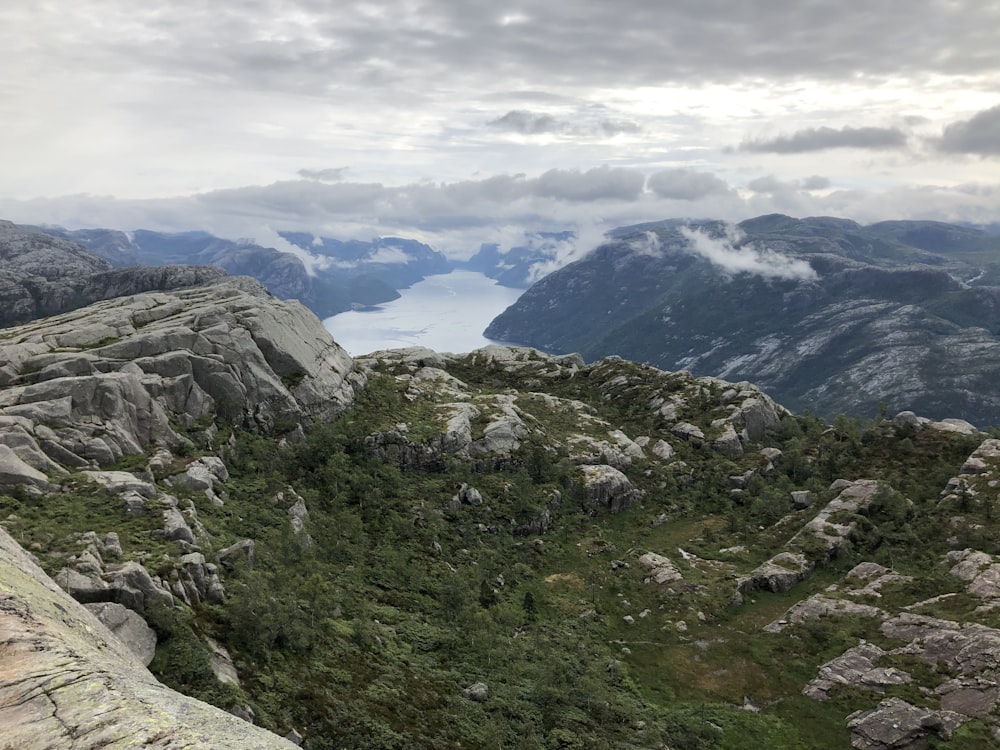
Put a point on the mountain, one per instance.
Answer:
(499, 549)
(42, 275)
(284, 274)
(824, 313)
(395, 261)
(520, 266)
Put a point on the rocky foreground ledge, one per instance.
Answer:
(66, 682)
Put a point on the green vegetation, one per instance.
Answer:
(365, 634)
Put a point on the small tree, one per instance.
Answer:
(529, 606)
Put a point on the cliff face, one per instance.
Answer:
(66, 682)
(91, 386)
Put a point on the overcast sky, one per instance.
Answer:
(463, 121)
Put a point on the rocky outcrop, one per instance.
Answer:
(895, 725)
(981, 571)
(821, 538)
(91, 386)
(43, 275)
(857, 667)
(66, 681)
(606, 487)
(961, 658)
(818, 606)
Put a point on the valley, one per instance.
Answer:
(501, 548)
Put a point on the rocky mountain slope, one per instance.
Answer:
(66, 681)
(497, 549)
(42, 275)
(823, 313)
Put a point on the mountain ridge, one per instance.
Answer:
(869, 319)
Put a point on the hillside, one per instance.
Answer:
(825, 314)
(498, 549)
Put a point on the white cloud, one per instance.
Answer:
(389, 255)
(268, 237)
(727, 254)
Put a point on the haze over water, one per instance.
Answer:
(447, 313)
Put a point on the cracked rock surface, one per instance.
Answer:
(66, 682)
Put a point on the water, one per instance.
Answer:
(446, 313)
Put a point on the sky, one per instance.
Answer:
(461, 121)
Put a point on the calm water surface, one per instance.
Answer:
(446, 313)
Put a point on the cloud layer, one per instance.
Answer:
(823, 138)
(452, 120)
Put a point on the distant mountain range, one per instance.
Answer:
(348, 274)
(522, 265)
(824, 313)
(344, 273)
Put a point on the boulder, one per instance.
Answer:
(127, 627)
(130, 584)
(756, 414)
(175, 526)
(605, 486)
(468, 495)
(16, 472)
(779, 574)
(222, 663)
(661, 570)
(893, 725)
(241, 552)
(907, 421)
(505, 432)
(662, 450)
(728, 443)
(478, 692)
(802, 499)
(954, 425)
(122, 482)
(299, 515)
(687, 431)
